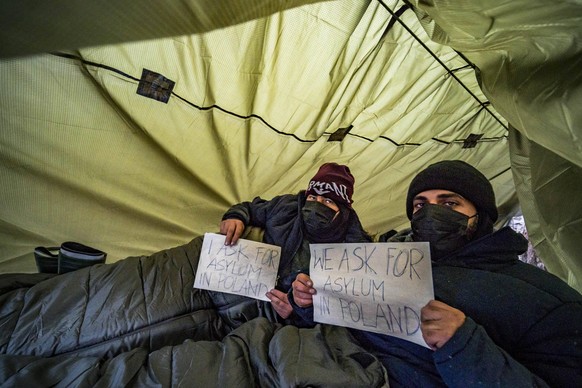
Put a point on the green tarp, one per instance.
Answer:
(250, 97)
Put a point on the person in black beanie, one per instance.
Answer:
(449, 204)
(496, 320)
(321, 214)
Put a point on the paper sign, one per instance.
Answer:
(377, 287)
(248, 268)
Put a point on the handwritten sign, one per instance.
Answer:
(248, 268)
(377, 287)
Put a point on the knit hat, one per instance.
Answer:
(459, 177)
(333, 181)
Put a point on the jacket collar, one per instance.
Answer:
(496, 250)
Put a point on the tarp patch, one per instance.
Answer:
(154, 85)
(471, 140)
(340, 134)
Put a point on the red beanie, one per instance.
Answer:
(333, 181)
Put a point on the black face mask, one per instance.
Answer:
(321, 223)
(445, 229)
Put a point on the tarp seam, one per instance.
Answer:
(255, 116)
(436, 58)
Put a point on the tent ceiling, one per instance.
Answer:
(258, 95)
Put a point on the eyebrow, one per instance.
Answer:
(440, 196)
(322, 196)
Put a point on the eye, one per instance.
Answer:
(449, 203)
(311, 198)
(329, 201)
(418, 205)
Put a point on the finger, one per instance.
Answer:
(305, 292)
(433, 310)
(436, 310)
(303, 302)
(231, 236)
(300, 287)
(224, 226)
(280, 303)
(283, 310)
(274, 300)
(442, 327)
(304, 279)
(232, 229)
(302, 299)
(437, 304)
(303, 284)
(279, 295)
(238, 231)
(429, 340)
(226, 229)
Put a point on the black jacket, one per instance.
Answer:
(523, 326)
(281, 220)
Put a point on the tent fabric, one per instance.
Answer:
(264, 95)
(541, 179)
(529, 58)
(32, 27)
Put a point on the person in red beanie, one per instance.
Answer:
(321, 214)
(495, 321)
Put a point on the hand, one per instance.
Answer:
(303, 290)
(233, 228)
(280, 303)
(439, 322)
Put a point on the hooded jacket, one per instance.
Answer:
(523, 325)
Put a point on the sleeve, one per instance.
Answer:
(471, 358)
(553, 346)
(301, 316)
(356, 232)
(253, 213)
